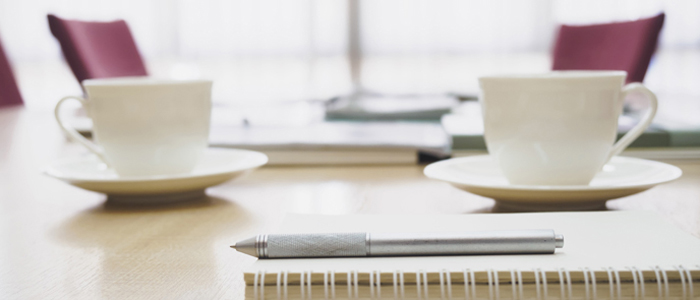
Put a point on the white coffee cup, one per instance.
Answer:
(143, 126)
(557, 128)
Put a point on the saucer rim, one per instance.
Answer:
(429, 171)
(51, 170)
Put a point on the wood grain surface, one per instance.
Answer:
(58, 241)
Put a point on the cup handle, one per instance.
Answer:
(638, 129)
(73, 134)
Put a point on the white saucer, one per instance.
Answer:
(622, 176)
(216, 166)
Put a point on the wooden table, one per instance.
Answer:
(58, 241)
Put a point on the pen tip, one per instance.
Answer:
(233, 246)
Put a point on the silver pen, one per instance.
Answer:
(540, 241)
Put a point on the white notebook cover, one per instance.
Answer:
(596, 240)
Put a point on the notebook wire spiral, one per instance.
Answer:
(617, 284)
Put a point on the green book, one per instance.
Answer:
(467, 133)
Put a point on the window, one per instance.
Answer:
(288, 50)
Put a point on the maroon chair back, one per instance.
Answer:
(626, 46)
(98, 49)
(9, 93)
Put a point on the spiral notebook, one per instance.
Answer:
(607, 255)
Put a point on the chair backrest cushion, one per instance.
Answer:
(626, 46)
(98, 49)
(9, 92)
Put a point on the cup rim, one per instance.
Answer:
(140, 81)
(563, 75)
